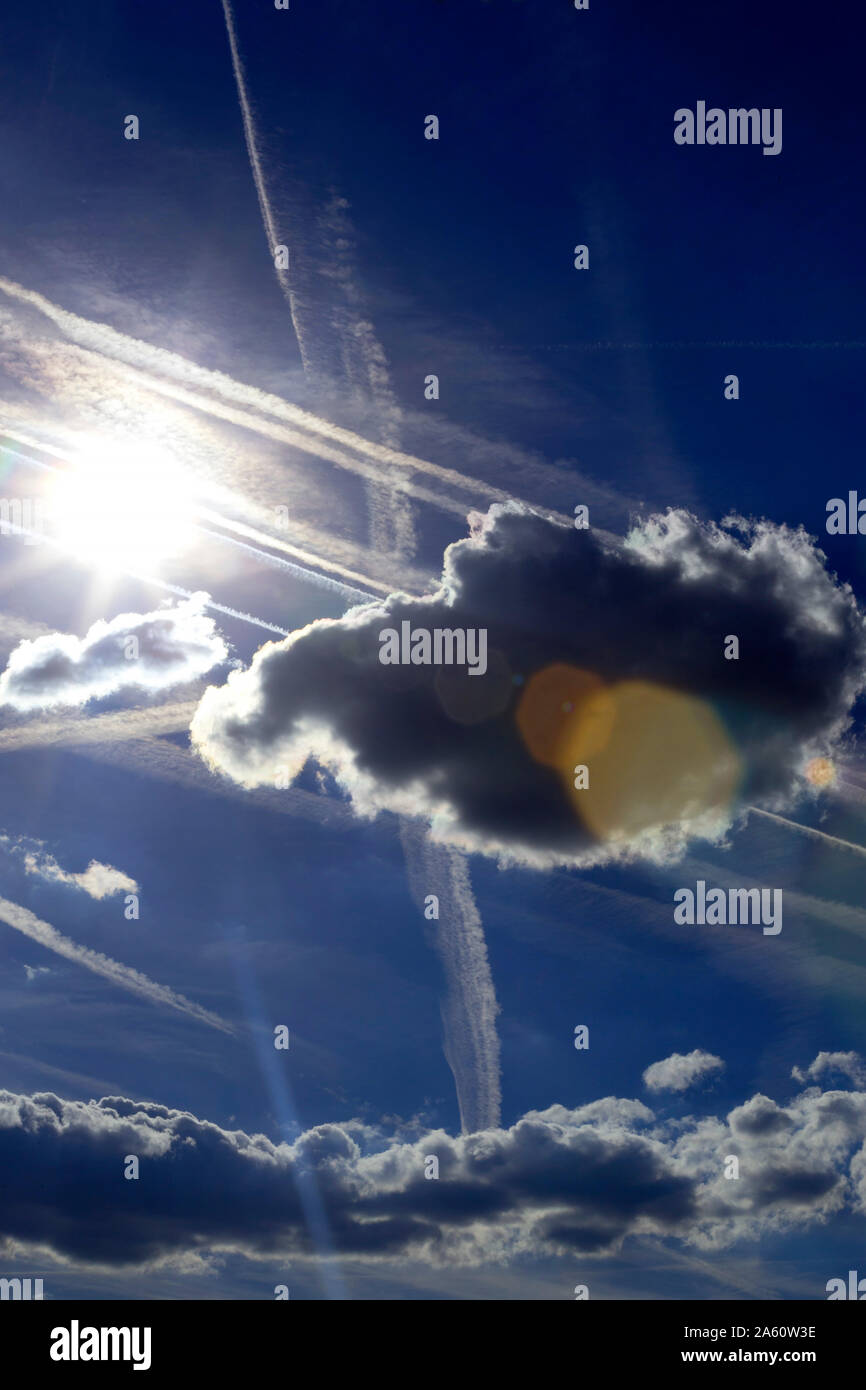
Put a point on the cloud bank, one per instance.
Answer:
(559, 1182)
(610, 656)
(147, 651)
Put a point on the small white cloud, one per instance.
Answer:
(681, 1070)
(31, 971)
(98, 880)
(147, 651)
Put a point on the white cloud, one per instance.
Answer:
(147, 651)
(32, 971)
(848, 1064)
(98, 880)
(681, 1070)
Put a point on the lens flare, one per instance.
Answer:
(820, 772)
(652, 756)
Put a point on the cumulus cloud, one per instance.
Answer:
(685, 739)
(558, 1182)
(681, 1070)
(148, 651)
(848, 1064)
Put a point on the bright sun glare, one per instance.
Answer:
(130, 509)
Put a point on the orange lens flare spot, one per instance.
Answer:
(553, 706)
(820, 772)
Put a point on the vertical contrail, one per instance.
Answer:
(392, 524)
(470, 1007)
(390, 513)
(254, 153)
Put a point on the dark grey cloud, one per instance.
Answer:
(147, 651)
(439, 743)
(558, 1182)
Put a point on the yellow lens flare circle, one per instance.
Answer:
(654, 756)
(667, 759)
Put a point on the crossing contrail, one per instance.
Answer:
(121, 975)
(810, 831)
(274, 238)
(359, 343)
(165, 369)
(173, 589)
(99, 728)
(321, 581)
(169, 588)
(251, 533)
(266, 543)
(469, 1010)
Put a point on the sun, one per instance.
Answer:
(129, 509)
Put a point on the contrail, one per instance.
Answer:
(852, 791)
(276, 543)
(130, 739)
(108, 342)
(321, 581)
(172, 589)
(360, 337)
(133, 980)
(216, 607)
(273, 236)
(811, 831)
(267, 543)
(365, 368)
(99, 728)
(163, 761)
(470, 1007)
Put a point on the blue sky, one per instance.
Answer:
(132, 272)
